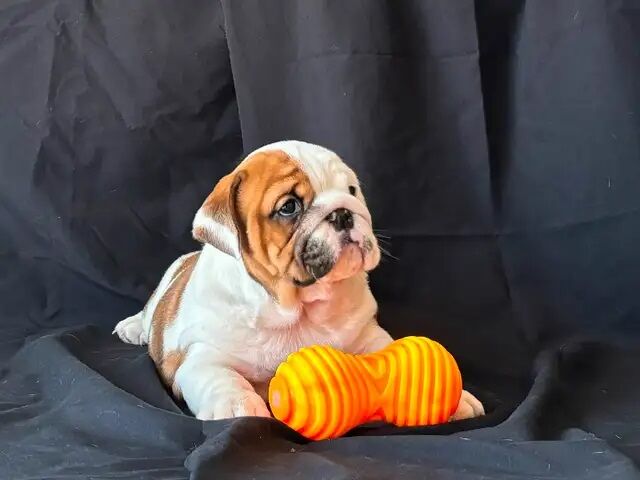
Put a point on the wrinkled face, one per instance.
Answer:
(295, 214)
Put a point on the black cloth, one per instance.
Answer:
(498, 143)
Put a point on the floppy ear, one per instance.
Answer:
(218, 222)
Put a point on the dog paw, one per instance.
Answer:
(469, 407)
(239, 404)
(130, 330)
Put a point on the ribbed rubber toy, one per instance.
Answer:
(322, 392)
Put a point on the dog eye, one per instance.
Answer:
(352, 190)
(290, 208)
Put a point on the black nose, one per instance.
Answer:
(341, 219)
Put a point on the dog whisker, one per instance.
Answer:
(386, 253)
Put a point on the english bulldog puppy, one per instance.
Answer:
(287, 243)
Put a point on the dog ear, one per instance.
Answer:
(218, 220)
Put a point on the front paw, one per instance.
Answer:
(469, 407)
(233, 404)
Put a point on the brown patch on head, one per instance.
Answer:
(246, 203)
(167, 307)
(268, 180)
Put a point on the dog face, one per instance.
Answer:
(295, 214)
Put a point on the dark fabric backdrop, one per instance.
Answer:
(498, 142)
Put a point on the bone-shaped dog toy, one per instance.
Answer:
(322, 392)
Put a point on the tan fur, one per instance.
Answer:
(166, 311)
(168, 368)
(244, 202)
(216, 207)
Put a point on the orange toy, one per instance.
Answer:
(323, 393)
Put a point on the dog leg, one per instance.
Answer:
(130, 330)
(213, 391)
(371, 340)
(469, 407)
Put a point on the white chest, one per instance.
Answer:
(266, 349)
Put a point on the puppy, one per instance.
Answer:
(287, 244)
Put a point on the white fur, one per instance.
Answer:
(235, 335)
(225, 239)
(130, 330)
(324, 168)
